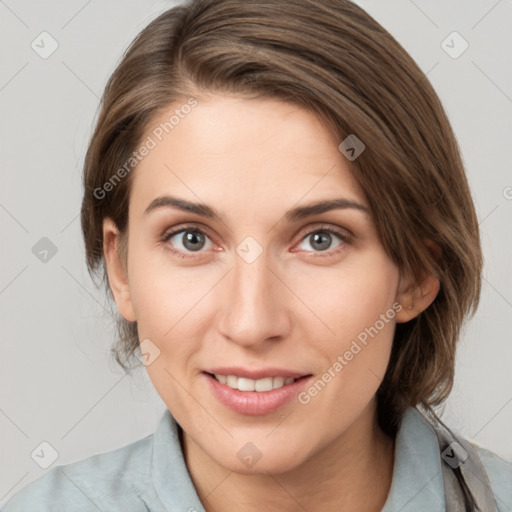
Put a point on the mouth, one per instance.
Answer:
(267, 392)
(259, 385)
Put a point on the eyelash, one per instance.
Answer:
(327, 229)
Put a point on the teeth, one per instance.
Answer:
(262, 384)
(244, 384)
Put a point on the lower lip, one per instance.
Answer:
(255, 403)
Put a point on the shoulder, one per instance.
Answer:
(113, 480)
(421, 439)
(499, 472)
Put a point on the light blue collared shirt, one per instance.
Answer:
(151, 475)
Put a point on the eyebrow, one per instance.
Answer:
(295, 214)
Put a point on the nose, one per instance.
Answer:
(255, 307)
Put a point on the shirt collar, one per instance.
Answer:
(417, 482)
(169, 471)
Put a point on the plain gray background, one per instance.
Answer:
(58, 382)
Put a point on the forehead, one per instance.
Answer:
(232, 150)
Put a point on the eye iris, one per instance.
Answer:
(317, 239)
(190, 240)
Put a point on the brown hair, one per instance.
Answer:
(331, 57)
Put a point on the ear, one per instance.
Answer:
(416, 293)
(116, 270)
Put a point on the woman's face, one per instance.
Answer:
(252, 281)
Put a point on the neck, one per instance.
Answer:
(352, 473)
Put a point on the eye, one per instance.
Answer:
(322, 239)
(186, 239)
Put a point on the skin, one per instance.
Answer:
(297, 306)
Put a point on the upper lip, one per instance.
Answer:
(256, 374)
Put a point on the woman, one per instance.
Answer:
(301, 346)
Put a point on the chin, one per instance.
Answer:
(251, 461)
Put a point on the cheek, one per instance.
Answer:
(171, 306)
(166, 304)
(355, 305)
(161, 293)
(350, 298)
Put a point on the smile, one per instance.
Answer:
(262, 395)
(245, 384)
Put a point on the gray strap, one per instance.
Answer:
(455, 497)
(467, 486)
